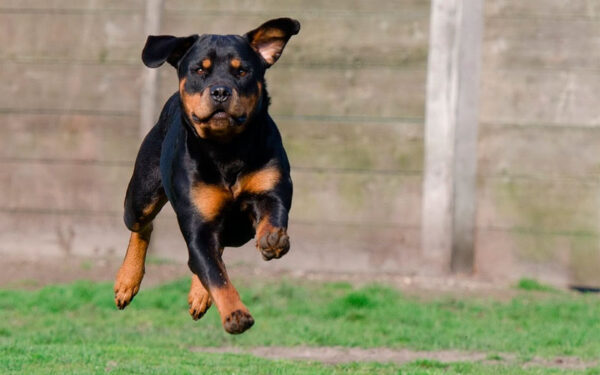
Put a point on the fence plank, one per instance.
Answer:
(540, 97)
(550, 205)
(69, 137)
(50, 86)
(99, 38)
(555, 43)
(539, 151)
(364, 145)
(92, 6)
(548, 9)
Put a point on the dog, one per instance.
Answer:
(216, 155)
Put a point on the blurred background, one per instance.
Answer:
(349, 96)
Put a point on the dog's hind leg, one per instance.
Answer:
(144, 200)
(198, 299)
(130, 275)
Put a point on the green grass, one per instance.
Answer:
(75, 329)
(534, 285)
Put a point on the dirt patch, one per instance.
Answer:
(336, 355)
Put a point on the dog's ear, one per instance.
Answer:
(161, 48)
(270, 38)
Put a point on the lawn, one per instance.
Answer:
(75, 329)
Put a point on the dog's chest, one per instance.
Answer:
(211, 199)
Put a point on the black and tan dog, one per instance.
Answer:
(216, 155)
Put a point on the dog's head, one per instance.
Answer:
(221, 77)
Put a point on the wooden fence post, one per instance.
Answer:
(449, 186)
(149, 92)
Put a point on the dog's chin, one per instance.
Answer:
(220, 125)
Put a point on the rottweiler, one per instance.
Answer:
(216, 155)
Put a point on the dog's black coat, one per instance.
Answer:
(212, 134)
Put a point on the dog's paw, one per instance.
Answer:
(199, 302)
(238, 321)
(273, 244)
(125, 290)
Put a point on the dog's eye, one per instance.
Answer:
(241, 72)
(201, 71)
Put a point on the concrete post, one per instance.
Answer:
(149, 92)
(449, 187)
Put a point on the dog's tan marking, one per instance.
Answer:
(236, 63)
(198, 104)
(209, 199)
(227, 299)
(257, 182)
(235, 317)
(206, 64)
(151, 209)
(264, 227)
(198, 298)
(156, 203)
(130, 275)
(250, 102)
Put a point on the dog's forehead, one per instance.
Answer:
(222, 45)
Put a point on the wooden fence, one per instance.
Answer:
(349, 97)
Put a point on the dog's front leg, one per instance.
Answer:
(271, 212)
(205, 261)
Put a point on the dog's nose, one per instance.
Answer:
(220, 94)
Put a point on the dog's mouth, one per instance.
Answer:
(219, 118)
